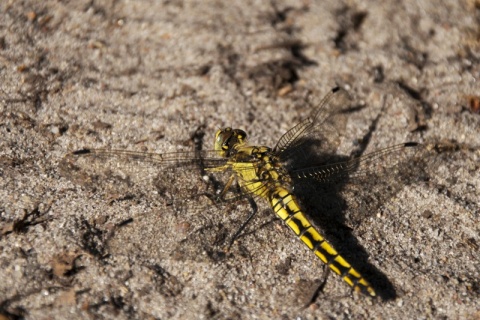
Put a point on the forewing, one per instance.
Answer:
(149, 174)
(319, 134)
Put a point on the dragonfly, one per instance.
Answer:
(271, 175)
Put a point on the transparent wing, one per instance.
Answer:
(208, 159)
(375, 162)
(174, 175)
(320, 130)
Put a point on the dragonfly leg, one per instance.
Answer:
(246, 222)
(227, 186)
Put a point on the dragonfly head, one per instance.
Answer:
(227, 139)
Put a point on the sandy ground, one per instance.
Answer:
(162, 76)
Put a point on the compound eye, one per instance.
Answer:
(227, 140)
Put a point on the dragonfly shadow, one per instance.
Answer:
(328, 209)
(351, 196)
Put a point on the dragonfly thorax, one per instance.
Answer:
(228, 139)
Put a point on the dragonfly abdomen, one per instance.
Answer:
(285, 205)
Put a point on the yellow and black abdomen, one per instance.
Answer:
(287, 208)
